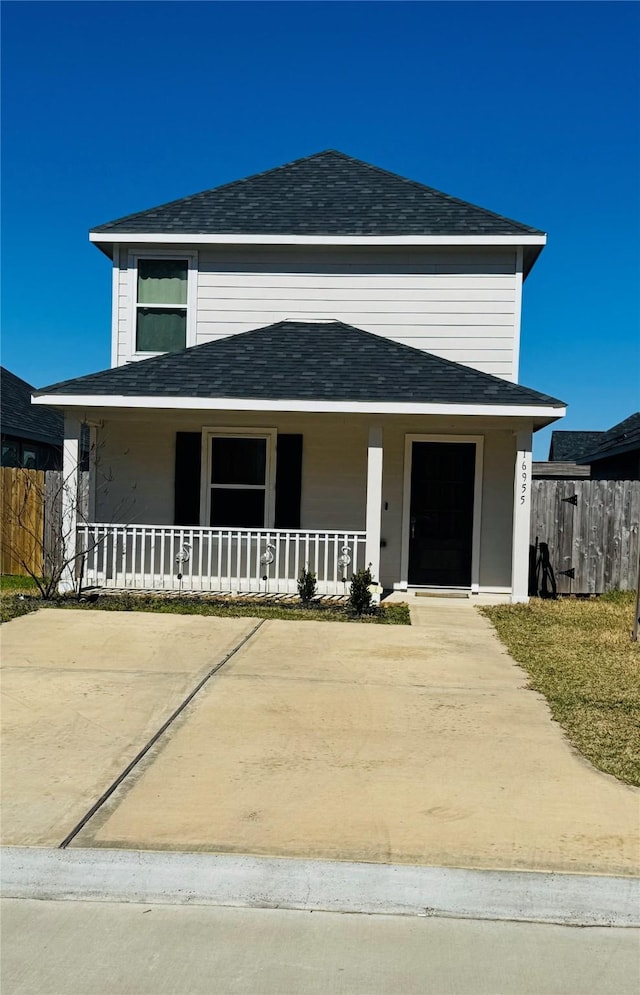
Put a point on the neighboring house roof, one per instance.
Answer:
(21, 419)
(622, 438)
(297, 360)
(569, 446)
(328, 193)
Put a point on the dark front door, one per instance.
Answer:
(441, 520)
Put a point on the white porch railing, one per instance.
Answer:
(267, 561)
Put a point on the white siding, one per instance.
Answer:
(137, 460)
(137, 468)
(126, 331)
(457, 303)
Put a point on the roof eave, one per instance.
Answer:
(533, 243)
(19, 432)
(543, 414)
(619, 450)
(530, 256)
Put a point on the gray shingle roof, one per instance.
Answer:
(296, 360)
(23, 420)
(571, 445)
(328, 193)
(621, 438)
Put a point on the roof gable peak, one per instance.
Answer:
(328, 193)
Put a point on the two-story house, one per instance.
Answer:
(315, 366)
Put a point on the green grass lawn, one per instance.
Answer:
(17, 596)
(579, 655)
(16, 585)
(16, 600)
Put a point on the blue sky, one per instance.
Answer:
(530, 109)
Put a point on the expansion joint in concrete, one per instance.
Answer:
(154, 739)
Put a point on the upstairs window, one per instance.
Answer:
(161, 305)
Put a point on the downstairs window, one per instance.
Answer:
(239, 481)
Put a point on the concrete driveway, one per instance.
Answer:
(359, 742)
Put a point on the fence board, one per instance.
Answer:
(634, 534)
(583, 539)
(599, 524)
(599, 536)
(566, 514)
(22, 521)
(52, 518)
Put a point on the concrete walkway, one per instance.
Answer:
(97, 949)
(405, 745)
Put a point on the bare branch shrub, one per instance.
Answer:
(36, 533)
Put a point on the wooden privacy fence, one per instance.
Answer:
(30, 515)
(592, 530)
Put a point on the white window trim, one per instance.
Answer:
(477, 503)
(192, 296)
(115, 307)
(219, 431)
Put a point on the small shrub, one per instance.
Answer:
(307, 587)
(359, 593)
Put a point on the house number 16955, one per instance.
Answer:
(523, 485)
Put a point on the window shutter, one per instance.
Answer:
(187, 478)
(288, 481)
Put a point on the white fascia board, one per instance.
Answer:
(186, 238)
(318, 407)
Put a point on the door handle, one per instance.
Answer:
(413, 527)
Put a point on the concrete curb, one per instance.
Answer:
(327, 885)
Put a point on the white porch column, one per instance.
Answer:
(521, 518)
(70, 465)
(374, 501)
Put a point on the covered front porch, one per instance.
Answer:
(237, 464)
(244, 505)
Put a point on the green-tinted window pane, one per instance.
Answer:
(161, 329)
(162, 281)
(238, 461)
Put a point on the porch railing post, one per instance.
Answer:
(68, 534)
(374, 501)
(521, 518)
